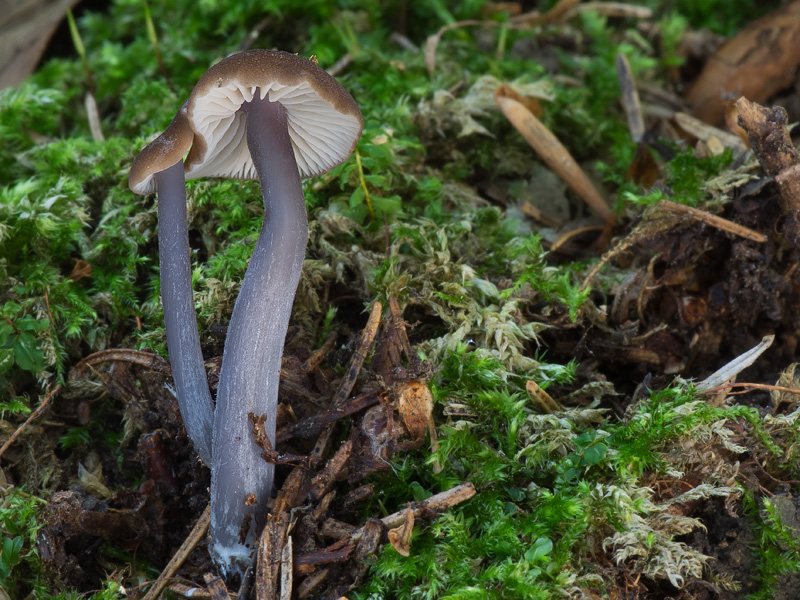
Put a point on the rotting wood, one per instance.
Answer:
(310, 583)
(771, 143)
(324, 480)
(198, 533)
(308, 563)
(269, 554)
(216, 587)
(359, 356)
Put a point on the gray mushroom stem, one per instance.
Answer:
(183, 338)
(251, 361)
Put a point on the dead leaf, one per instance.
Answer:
(26, 27)
(400, 537)
(415, 405)
(756, 63)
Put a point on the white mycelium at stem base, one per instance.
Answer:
(251, 363)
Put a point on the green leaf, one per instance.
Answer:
(541, 548)
(27, 355)
(594, 454)
(32, 324)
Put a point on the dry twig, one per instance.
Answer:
(198, 533)
(30, 419)
(713, 220)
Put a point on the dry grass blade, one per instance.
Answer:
(703, 131)
(737, 365)
(432, 43)
(198, 533)
(630, 98)
(552, 152)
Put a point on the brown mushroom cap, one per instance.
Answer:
(160, 154)
(323, 119)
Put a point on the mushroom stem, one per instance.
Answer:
(251, 361)
(183, 338)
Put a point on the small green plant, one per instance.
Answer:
(777, 546)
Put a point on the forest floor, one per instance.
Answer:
(544, 343)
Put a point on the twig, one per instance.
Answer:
(612, 9)
(28, 421)
(703, 131)
(437, 503)
(340, 65)
(316, 358)
(360, 355)
(309, 426)
(751, 386)
(137, 357)
(713, 220)
(565, 238)
(198, 533)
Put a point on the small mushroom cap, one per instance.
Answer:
(160, 154)
(323, 119)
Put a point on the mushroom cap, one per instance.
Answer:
(323, 119)
(160, 154)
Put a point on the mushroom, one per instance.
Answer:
(160, 165)
(278, 117)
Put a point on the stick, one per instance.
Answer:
(714, 221)
(198, 533)
(27, 422)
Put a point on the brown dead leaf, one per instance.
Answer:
(756, 63)
(643, 170)
(400, 537)
(415, 405)
(25, 29)
(80, 270)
